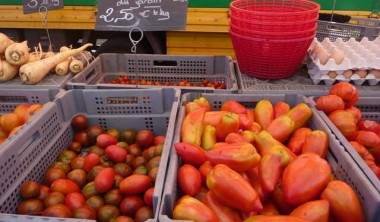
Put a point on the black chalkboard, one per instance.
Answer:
(32, 6)
(148, 15)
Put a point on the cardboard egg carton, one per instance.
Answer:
(363, 55)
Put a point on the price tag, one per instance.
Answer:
(148, 15)
(32, 6)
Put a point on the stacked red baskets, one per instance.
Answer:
(271, 37)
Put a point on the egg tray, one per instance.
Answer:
(359, 55)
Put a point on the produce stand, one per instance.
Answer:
(204, 51)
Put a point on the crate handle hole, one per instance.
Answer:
(165, 63)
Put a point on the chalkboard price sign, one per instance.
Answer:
(148, 15)
(32, 6)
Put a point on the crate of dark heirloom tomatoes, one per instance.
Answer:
(107, 159)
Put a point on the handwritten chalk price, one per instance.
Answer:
(32, 6)
(149, 15)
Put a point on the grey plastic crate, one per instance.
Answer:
(51, 81)
(341, 163)
(300, 83)
(370, 107)
(163, 68)
(19, 150)
(152, 109)
(357, 28)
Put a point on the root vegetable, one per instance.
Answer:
(7, 71)
(76, 66)
(17, 53)
(5, 41)
(63, 67)
(32, 73)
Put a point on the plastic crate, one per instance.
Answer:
(300, 83)
(357, 28)
(51, 81)
(19, 150)
(163, 68)
(370, 107)
(341, 163)
(152, 109)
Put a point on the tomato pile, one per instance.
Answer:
(205, 83)
(362, 134)
(261, 164)
(105, 175)
(13, 121)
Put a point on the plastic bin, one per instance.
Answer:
(341, 163)
(360, 27)
(153, 109)
(163, 68)
(19, 150)
(300, 83)
(370, 107)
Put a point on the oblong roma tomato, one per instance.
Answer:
(64, 186)
(344, 202)
(135, 184)
(189, 179)
(74, 200)
(305, 178)
(329, 103)
(116, 153)
(104, 180)
(316, 210)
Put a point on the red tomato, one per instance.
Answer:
(79, 122)
(82, 138)
(305, 178)
(344, 121)
(317, 210)
(58, 210)
(90, 161)
(116, 154)
(223, 212)
(189, 179)
(190, 153)
(135, 184)
(143, 214)
(30, 189)
(347, 92)
(104, 180)
(145, 138)
(74, 200)
(205, 169)
(130, 204)
(148, 197)
(369, 125)
(85, 212)
(77, 162)
(344, 202)
(113, 197)
(30, 207)
(105, 139)
(329, 103)
(78, 176)
(54, 198)
(64, 186)
(159, 140)
(108, 213)
(233, 106)
(44, 191)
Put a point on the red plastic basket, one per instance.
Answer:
(273, 26)
(275, 10)
(269, 59)
(274, 35)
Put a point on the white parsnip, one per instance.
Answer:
(5, 41)
(63, 67)
(7, 71)
(76, 66)
(17, 53)
(32, 73)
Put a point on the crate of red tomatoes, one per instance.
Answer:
(106, 158)
(264, 157)
(212, 74)
(355, 120)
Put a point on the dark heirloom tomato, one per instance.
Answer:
(130, 204)
(30, 189)
(79, 122)
(30, 207)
